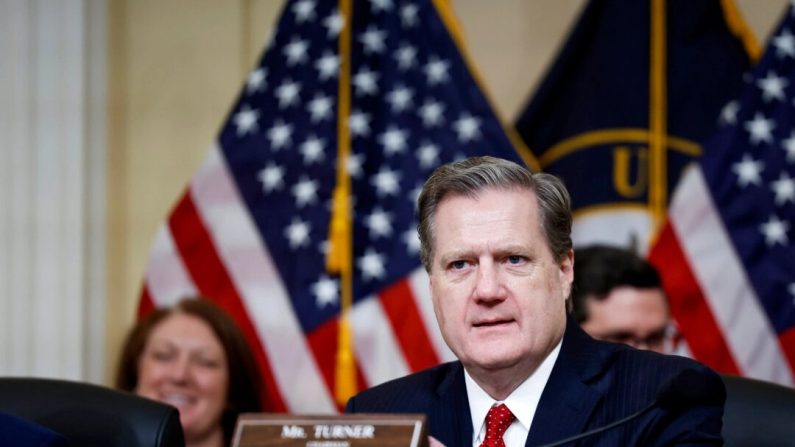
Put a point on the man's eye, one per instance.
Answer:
(515, 259)
(458, 265)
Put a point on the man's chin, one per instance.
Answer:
(494, 361)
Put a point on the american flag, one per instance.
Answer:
(727, 252)
(251, 230)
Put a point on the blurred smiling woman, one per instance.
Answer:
(194, 357)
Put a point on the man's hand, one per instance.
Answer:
(432, 442)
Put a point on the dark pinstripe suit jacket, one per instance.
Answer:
(592, 384)
(18, 432)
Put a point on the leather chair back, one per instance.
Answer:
(91, 415)
(758, 413)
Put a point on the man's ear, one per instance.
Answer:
(566, 273)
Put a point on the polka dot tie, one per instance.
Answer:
(497, 421)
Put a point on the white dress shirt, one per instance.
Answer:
(522, 402)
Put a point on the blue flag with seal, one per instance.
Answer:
(635, 89)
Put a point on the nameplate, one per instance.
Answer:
(349, 430)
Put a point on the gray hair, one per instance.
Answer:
(473, 175)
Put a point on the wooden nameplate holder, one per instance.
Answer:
(349, 430)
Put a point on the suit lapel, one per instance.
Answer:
(452, 411)
(568, 400)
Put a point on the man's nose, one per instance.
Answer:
(489, 287)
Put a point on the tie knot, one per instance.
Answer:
(497, 421)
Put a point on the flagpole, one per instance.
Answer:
(339, 258)
(658, 111)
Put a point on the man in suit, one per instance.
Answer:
(495, 240)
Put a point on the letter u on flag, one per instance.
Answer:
(348, 111)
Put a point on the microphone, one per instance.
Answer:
(686, 389)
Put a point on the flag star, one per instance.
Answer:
(359, 123)
(365, 81)
(405, 56)
(393, 140)
(789, 146)
(334, 24)
(400, 98)
(246, 121)
(728, 115)
(760, 128)
(431, 113)
(373, 40)
(386, 182)
(412, 241)
(792, 291)
(371, 265)
(280, 135)
(312, 150)
(304, 10)
(305, 192)
(381, 5)
(320, 108)
(326, 291)
(775, 231)
(784, 189)
(287, 93)
(428, 155)
(467, 127)
(436, 70)
(748, 171)
(772, 86)
(354, 165)
(408, 15)
(327, 66)
(785, 44)
(257, 80)
(295, 51)
(297, 233)
(380, 223)
(272, 177)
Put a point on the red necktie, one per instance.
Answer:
(497, 421)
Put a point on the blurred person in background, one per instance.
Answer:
(617, 296)
(194, 357)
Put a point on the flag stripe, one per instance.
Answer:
(787, 340)
(401, 309)
(166, 277)
(722, 278)
(688, 306)
(323, 343)
(147, 304)
(249, 265)
(420, 286)
(209, 274)
(375, 343)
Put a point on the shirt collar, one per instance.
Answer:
(523, 401)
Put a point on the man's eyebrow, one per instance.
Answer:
(511, 249)
(456, 254)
